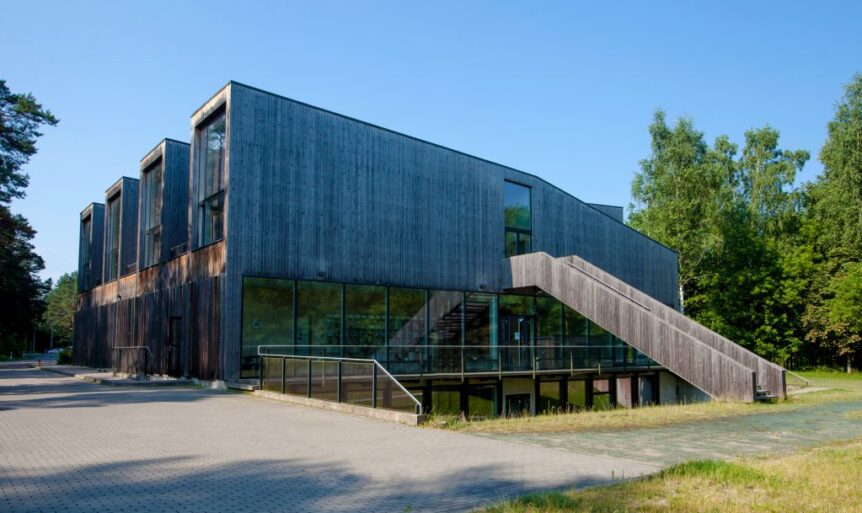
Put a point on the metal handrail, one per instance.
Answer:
(807, 382)
(147, 356)
(416, 402)
(609, 286)
(115, 348)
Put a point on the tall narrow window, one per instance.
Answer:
(86, 236)
(518, 216)
(152, 215)
(112, 244)
(210, 183)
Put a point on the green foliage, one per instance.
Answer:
(65, 357)
(60, 307)
(20, 119)
(732, 220)
(21, 290)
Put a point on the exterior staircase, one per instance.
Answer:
(716, 365)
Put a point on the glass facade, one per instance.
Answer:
(151, 215)
(365, 321)
(210, 143)
(518, 219)
(267, 318)
(318, 318)
(418, 331)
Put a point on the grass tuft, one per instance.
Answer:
(819, 479)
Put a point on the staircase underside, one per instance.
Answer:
(716, 365)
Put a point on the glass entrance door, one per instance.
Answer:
(517, 333)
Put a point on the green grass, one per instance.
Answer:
(839, 387)
(820, 479)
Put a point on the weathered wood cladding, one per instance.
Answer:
(90, 272)
(315, 195)
(770, 376)
(127, 188)
(174, 158)
(712, 370)
(181, 294)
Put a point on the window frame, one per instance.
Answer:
(523, 236)
(206, 204)
(149, 233)
(112, 235)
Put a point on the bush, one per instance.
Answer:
(65, 356)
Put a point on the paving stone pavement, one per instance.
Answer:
(714, 439)
(71, 446)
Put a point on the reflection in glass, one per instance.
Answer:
(364, 321)
(480, 319)
(267, 319)
(444, 329)
(151, 215)
(318, 318)
(112, 244)
(406, 330)
(210, 142)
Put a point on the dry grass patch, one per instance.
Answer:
(840, 387)
(820, 479)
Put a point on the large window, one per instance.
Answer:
(151, 215)
(85, 274)
(267, 319)
(318, 318)
(518, 216)
(112, 242)
(406, 329)
(210, 184)
(364, 321)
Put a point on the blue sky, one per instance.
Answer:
(564, 90)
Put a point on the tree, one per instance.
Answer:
(834, 230)
(21, 290)
(60, 308)
(734, 222)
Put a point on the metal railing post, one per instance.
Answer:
(260, 360)
(308, 380)
(374, 386)
(283, 365)
(338, 383)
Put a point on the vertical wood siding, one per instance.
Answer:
(315, 195)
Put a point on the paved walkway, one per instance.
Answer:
(71, 446)
(714, 439)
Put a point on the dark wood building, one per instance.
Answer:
(287, 225)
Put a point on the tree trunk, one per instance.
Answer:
(849, 367)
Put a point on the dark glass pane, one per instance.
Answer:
(112, 245)
(267, 319)
(480, 319)
(364, 321)
(444, 330)
(524, 243)
(482, 401)
(406, 330)
(549, 396)
(601, 345)
(516, 305)
(511, 243)
(602, 402)
(210, 179)
(318, 318)
(516, 205)
(577, 395)
(214, 142)
(151, 215)
(549, 336)
(576, 337)
(445, 402)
